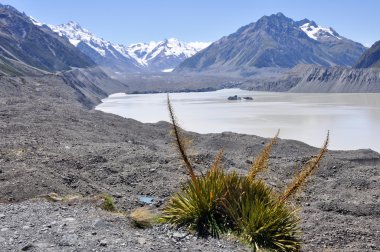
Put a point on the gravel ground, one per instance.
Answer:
(51, 146)
(38, 225)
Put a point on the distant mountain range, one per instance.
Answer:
(275, 53)
(276, 41)
(142, 57)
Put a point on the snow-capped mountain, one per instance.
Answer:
(103, 52)
(141, 57)
(166, 54)
(275, 41)
(76, 34)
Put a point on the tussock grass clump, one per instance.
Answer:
(142, 217)
(222, 202)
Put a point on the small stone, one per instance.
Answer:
(69, 219)
(179, 235)
(27, 247)
(94, 233)
(103, 243)
(100, 223)
(48, 226)
(69, 240)
(2, 216)
(117, 195)
(141, 241)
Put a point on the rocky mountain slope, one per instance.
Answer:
(318, 79)
(276, 41)
(35, 62)
(370, 58)
(23, 41)
(142, 57)
(338, 80)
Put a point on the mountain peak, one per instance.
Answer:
(75, 33)
(278, 20)
(171, 41)
(74, 25)
(280, 14)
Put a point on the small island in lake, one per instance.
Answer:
(237, 98)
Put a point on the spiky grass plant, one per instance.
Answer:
(218, 202)
(260, 219)
(199, 203)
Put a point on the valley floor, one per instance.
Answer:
(47, 147)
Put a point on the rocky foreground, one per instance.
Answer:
(42, 226)
(51, 144)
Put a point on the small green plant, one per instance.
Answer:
(218, 202)
(108, 203)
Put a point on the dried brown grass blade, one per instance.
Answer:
(262, 160)
(217, 162)
(180, 141)
(301, 178)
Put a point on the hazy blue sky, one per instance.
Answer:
(124, 21)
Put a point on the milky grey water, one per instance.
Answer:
(353, 119)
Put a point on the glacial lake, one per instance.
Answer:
(353, 119)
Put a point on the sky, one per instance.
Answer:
(127, 21)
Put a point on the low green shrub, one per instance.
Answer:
(108, 203)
